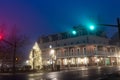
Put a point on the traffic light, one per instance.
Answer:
(1, 37)
(91, 27)
(74, 32)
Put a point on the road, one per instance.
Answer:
(94, 73)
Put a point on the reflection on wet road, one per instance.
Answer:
(79, 74)
(84, 74)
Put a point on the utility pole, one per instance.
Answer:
(118, 25)
(14, 58)
(14, 53)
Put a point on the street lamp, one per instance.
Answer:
(27, 62)
(50, 46)
(52, 57)
(97, 62)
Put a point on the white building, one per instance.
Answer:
(83, 48)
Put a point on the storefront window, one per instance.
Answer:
(65, 61)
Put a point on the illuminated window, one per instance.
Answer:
(73, 61)
(65, 61)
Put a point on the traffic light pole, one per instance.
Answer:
(118, 26)
(14, 53)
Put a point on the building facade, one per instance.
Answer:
(85, 48)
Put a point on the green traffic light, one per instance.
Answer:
(92, 27)
(74, 32)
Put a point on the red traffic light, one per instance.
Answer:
(1, 37)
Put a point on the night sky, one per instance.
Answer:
(42, 17)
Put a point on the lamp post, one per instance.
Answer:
(14, 56)
(97, 62)
(52, 57)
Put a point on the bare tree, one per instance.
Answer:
(14, 37)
